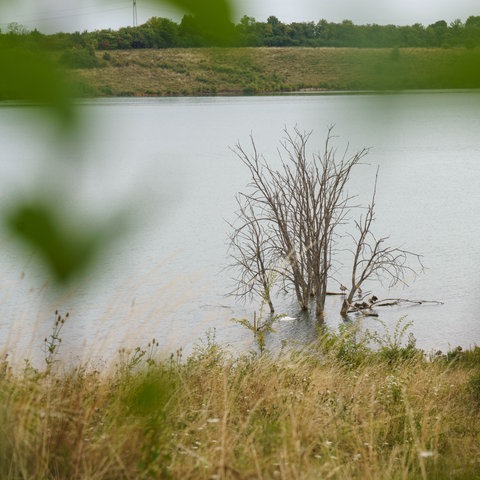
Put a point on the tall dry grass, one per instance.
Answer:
(337, 410)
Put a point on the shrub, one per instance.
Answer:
(349, 346)
(79, 58)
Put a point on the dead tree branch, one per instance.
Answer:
(373, 257)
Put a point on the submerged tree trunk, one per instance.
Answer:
(348, 300)
(267, 296)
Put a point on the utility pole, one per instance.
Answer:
(134, 13)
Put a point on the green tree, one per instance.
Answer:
(164, 32)
(437, 33)
(248, 32)
(472, 31)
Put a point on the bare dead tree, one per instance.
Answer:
(373, 257)
(252, 253)
(273, 205)
(300, 205)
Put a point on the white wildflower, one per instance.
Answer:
(427, 453)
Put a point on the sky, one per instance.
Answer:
(51, 16)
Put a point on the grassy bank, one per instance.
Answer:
(336, 411)
(216, 71)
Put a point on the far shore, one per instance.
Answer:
(275, 71)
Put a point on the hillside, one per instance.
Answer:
(267, 70)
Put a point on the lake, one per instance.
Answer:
(168, 161)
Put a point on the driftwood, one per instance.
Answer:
(386, 302)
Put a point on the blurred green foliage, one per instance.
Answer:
(80, 58)
(412, 69)
(213, 17)
(66, 249)
(30, 73)
(149, 395)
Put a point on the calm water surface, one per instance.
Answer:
(168, 161)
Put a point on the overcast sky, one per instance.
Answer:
(71, 15)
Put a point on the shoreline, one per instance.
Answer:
(27, 103)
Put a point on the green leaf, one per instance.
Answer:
(66, 251)
(31, 75)
(214, 16)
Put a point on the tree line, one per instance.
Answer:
(164, 33)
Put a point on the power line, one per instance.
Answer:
(77, 12)
(32, 20)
